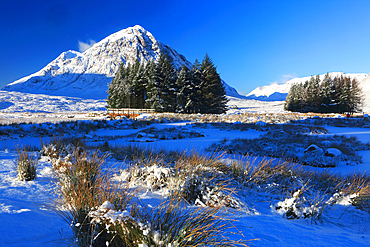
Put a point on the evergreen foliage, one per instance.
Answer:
(213, 91)
(194, 104)
(184, 83)
(338, 95)
(161, 87)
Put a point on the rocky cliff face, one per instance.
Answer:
(88, 74)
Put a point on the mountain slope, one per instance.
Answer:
(88, 74)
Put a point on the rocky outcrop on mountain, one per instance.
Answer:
(88, 74)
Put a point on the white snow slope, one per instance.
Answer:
(88, 74)
(27, 221)
(278, 92)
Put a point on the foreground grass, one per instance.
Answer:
(103, 206)
(104, 211)
(25, 164)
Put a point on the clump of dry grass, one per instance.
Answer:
(306, 193)
(104, 212)
(82, 186)
(199, 180)
(358, 185)
(170, 224)
(25, 165)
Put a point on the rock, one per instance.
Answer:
(313, 148)
(333, 152)
(141, 135)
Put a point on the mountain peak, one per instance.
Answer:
(88, 74)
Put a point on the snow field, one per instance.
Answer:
(263, 197)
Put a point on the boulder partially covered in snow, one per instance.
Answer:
(141, 135)
(313, 148)
(315, 156)
(333, 152)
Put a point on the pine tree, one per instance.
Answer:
(325, 94)
(161, 84)
(153, 88)
(213, 91)
(195, 100)
(138, 82)
(292, 99)
(113, 88)
(168, 74)
(345, 95)
(184, 83)
(312, 94)
(125, 89)
(355, 97)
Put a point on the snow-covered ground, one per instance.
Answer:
(28, 221)
(11, 102)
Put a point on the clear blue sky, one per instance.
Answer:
(252, 43)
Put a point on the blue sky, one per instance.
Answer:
(252, 43)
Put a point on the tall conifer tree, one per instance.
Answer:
(195, 97)
(213, 90)
(184, 83)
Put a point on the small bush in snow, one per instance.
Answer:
(298, 207)
(25, 165)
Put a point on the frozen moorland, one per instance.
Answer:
(296, 179)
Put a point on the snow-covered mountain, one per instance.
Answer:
(87, 74)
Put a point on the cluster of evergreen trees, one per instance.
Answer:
(161, 87)
(338, 95)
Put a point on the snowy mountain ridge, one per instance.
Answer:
(88, 74)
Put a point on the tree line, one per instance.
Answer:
(158, 85)
(339, 95)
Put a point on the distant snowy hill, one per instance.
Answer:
(278, 92)
(88, 74)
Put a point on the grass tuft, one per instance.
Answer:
(25, 165)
